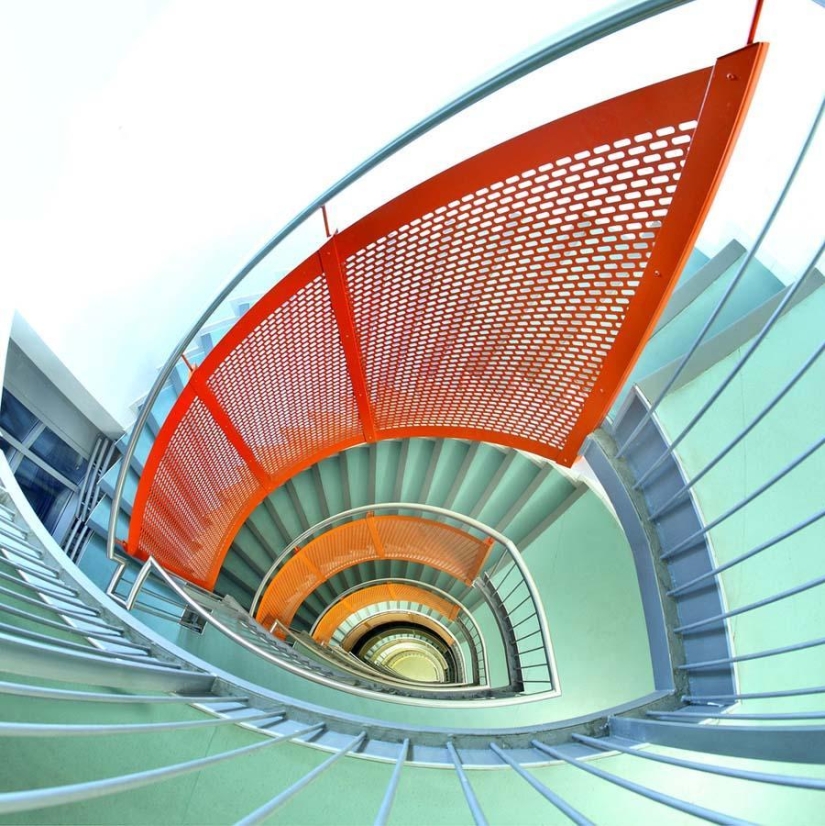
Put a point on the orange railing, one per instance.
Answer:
(407, 538)
(506, 300)
(391, 592)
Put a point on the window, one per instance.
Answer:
(48, 470)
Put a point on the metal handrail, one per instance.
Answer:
(621, 16)
(480, 653)
(321, 679)
(371, 671)
(509, 546)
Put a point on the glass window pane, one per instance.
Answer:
(15, 419)
(6, 448)
(46, 495)
(64, 459)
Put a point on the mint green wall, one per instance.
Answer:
(587, 580)
(795, 424)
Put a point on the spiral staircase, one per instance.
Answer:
(451, 624)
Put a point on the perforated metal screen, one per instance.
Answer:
(506, 300)
(390, 593)
(408, 538)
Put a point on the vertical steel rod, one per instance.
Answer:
(751, 606)
(758, 655)
(24, 801)
(469, 794)
(263, 811)
(644, 791)
(389, 796)
(740, 774)
(685, 714)
(788, 386)
(752, 348)
(705, 699)
(690, 540)
(561, 804)
(768, 543)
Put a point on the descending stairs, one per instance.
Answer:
(71, 659)
(102, 735)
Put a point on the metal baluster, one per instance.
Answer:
(24, 690)
(25, 801)
(389, 795)
(644, 791)
(747, 555)
(758, 655)
(264, 811)
(690, 540)
(731, 287)
(69, 730)
(740, 774)
(754, 345)
(562, 805)
(753, 695)
(790, 592)
(731, 445)
(685, 714)
(469, 794)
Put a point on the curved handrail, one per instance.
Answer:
(622, 16)
(447, 634)
(321, 679)
(508, 544)
(359, 668)
(463, 612)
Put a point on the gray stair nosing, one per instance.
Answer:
(269, 507)
(687, 293)
(572, 497)
(469, 458)
(524, 498)
(429, 476)
(494, 482)
(403, 455)
(729, 340)
(295, 501)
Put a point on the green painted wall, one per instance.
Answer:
(793, 425)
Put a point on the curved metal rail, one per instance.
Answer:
(474, 641)
(151, 566)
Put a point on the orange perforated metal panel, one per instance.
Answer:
(383, 537)
(506, 299)
(389, 592)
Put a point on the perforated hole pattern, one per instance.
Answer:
(483, 304)
(506, 302)
(286, 386)
(384, 593)
(198, 488)
(403, 537)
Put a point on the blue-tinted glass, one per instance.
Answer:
(16, 419)
(46, 495)
(64, 459)
(6, 447)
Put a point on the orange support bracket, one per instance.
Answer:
(342, 306)
(482, 557)
(376, 537)
(230, 431)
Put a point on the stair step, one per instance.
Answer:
(691, 306)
